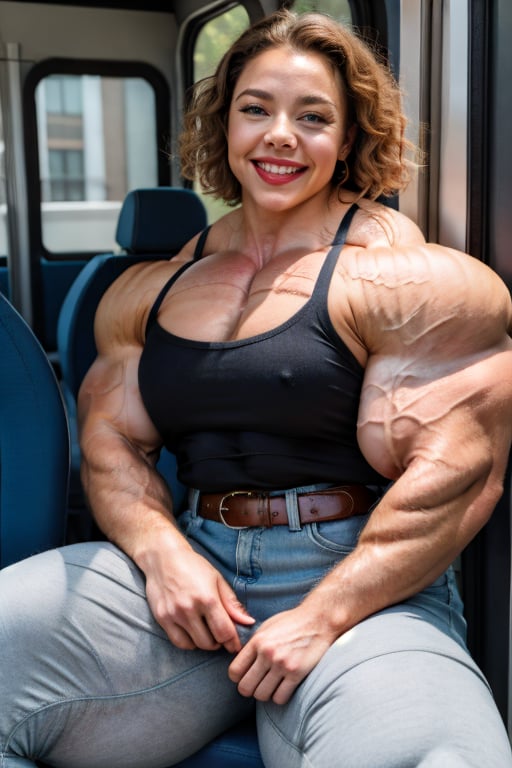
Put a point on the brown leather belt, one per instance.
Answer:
(247, 509)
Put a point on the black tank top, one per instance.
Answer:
(274, 411)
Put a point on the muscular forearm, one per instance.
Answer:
(128, 498)
(402, 550)
(187, 596)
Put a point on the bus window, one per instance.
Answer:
(338, 9)
(215, 38)
(212, 41)
(96, 141)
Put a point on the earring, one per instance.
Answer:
(343, 173)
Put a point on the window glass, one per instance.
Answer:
(63, 95)
(338, 9)
(96, 140)
(213, 40)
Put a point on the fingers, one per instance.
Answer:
(223, 629)
(179, 637)
(205, 621)
(208, 630)
(217, 627)
(265, 682)
(194, 604)
(238, 614)
(234, 607)
(279, 655)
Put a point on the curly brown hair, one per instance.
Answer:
(377, 164)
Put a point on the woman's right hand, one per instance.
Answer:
(191, 600)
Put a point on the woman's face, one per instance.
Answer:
(287, 128)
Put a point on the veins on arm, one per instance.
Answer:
(435, 412)
(119, 443)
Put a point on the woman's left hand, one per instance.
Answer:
(280, 654)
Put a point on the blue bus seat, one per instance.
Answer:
(34, 444)
(236, 748)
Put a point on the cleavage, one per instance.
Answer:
(204, 305)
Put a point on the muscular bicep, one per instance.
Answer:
(110, 405)
(109, 401)
(445, 442)
(436, 404)
(413, 411)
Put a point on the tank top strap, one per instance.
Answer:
(198, 251)
(341, 234)
(201, 240)
(329, 265)
(156, 306)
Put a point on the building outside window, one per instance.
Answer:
(96, 141)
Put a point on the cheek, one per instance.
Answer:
(236, 152)
(236, 137)
(241, 139)
(232, 142)
(326, 153)
(241, 134)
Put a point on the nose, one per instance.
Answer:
(281, 133)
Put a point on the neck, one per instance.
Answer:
(264, 234)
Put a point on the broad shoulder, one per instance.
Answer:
(424, 295)
(122, 313)
(378, 224)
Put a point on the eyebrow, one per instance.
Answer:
(305, 100)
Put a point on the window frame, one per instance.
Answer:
(103, 68)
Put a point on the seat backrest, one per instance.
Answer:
(153, 224)
(159, 220)
(34, 444)
(75, 328)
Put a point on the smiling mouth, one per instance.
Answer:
(281, 170)
(278, 173)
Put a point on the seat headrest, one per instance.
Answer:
(159, 220)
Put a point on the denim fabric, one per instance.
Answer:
(89, 680)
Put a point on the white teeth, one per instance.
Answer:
(279, 169)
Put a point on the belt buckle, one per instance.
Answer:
(225, 509)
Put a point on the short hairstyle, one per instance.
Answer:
(377, 164)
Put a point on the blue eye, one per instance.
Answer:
(253, 109)
(313, 118)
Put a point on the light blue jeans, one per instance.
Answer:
(89, 680)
